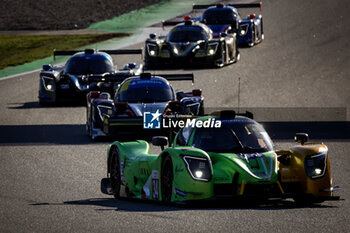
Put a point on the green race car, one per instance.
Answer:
(223, 155)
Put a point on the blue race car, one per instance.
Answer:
(69, 82)
(222, 18)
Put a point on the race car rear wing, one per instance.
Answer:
(121, 75)
(178, 77)
(116, 77)
(170, 23)
(231, 114)
(91, 51)
(236, 5)
(175, 22)
(170, 77)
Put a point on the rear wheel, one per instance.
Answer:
(167, 178)
(115, 172)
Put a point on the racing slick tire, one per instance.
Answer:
(237, 54)
(115, 172)
(262, 29)
(254, 37)
(167, 177)
(232, 56)
(221, 63)
(90, 129)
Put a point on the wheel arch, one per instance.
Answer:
(110, 149)
(126, 149)
(109, 157)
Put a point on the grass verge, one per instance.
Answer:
(20, 49)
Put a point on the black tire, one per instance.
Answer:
(88, 123)
(231, 55)
(167, 177)
(90, 128)
(223, 57)
(115, 172)
(254, 38)
(237, 56)
(201, 109)
(262, 29)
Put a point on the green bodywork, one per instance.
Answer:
(141, 171)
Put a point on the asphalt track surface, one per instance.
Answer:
(50, 170)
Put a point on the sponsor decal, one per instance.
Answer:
(193, 123)
(121, 167)
(151, 120)
(145, 193)
(155, 184)
(136, 83)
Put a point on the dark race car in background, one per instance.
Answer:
(69, 82)
(191, 43)
(123, 114)
(226, 19)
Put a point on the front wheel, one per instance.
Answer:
(219, 63)
(253, 37)
(167, 178)
(90, 131)
(115, 172)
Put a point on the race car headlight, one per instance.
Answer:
(212, 47)
(48, 83)
(316, 165)
(152, 49)
(243, 29)
(198, 167)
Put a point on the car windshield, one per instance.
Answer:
(190, 34)
(145, 91)
(233, 138)
(219, 17)
(87, 66)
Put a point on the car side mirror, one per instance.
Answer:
(47, 67)
(153, 36)
(160, 141)
(301, 138)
